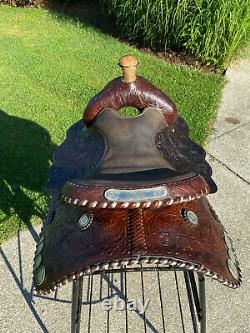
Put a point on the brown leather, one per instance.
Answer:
(139, 94)
(89, 231)
(80, 193)
(130, 146)
(132, 160)
(83, 148)
(121, 237)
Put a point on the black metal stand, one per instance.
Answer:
(76, 305)
(196, 299)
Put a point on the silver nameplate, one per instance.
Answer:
(147, 194)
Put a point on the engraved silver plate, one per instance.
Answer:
(146, 194)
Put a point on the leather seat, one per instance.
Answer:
(131, 167)
(131, 156)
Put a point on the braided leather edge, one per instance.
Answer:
(139, 260)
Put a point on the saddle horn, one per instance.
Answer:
(130, 90)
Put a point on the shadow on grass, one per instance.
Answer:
(26, 150)
(89, 13)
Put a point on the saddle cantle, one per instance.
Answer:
(144, 201)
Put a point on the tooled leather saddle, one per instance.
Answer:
(133, 190)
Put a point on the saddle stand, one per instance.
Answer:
(132, 191)
(196, 301)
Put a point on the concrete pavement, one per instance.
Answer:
(227, 310)
(229, 155)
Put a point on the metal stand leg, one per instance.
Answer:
(202, 295)
(196, 300)
(76, 305)
(191, 302)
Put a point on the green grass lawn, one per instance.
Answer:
(50, 66)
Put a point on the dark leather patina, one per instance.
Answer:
(139, 94)
(132, 191)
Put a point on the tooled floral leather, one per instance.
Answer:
(87, 232)
(117, 237)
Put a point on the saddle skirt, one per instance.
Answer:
(142, 201)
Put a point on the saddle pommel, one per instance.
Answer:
(130, 90)
(129, 66)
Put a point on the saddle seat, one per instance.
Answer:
(132, 173)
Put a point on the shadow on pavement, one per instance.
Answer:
(107, 289)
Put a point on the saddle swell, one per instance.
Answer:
(139, 94)
(136, 205)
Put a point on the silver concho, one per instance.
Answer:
(39, 247)
(85, 221)
(37, 261)
(232, 255)
(233, 269)
(40, 275)
(139, 195)
(41, 239)
(228, 241)
(190, 216)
